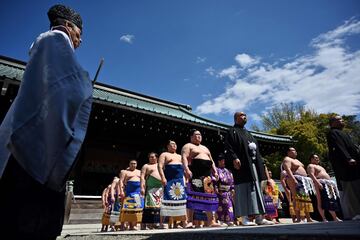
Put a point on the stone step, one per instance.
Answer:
(349, 230)
(84, 221)
(85, 210)
(84, 216)
(86, 205)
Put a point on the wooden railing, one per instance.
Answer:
(81, 209)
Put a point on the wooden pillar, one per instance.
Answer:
(68, 200)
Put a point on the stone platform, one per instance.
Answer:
(299, 231)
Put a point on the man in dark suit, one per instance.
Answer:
(345, 159)
(243, 158)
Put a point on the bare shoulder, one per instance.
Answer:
(164, 154)
(287, 159)
(310, 166)
(187, 147)
(125, 172)
(320, 167)
(115, 182)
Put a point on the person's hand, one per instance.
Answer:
(319, 185)
(295, 181)
(188, 173)
(163, 181)
(237, 164)
(216, 175)
(121, 195)
(142, 192)
(352, 162)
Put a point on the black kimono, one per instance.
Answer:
(341, 150)
(248, 195)
(237, 147)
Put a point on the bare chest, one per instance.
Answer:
(173, 158)
(198, 150)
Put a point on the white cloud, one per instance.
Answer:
(211, 71)
(245, 60)
(232, 100)
(207, 95)
(200, 59)
(127, 38)
(231, 72)
(336, 36)
(255, 117)
(327, 80)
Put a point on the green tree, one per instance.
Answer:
(307, 128)
(353, 127)
(279, 113)
(308, 138)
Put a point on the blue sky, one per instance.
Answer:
(217, 56)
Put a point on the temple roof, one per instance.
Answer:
(13, 70)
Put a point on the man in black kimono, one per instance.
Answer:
(244, 159)
(345, 159)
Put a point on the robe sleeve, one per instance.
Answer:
(231, 180)
(51, 113)
(230, 143)
(337, 143)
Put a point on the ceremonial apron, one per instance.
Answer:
(201, 194)
(329, 195)
(174, 198)
(153, 195)
(304, 188)
(133, 203)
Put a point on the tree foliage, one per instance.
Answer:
(308, 129)
(280, 113)
(353, 127)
